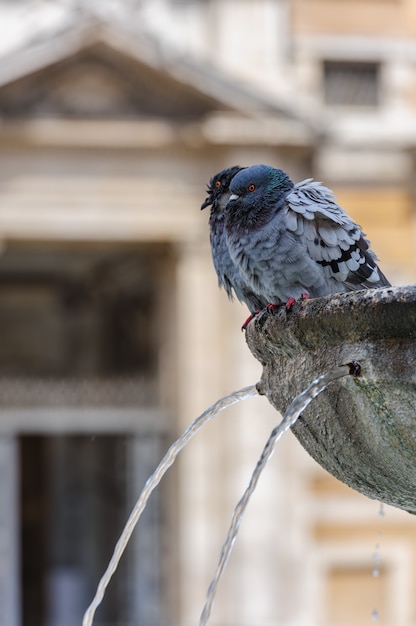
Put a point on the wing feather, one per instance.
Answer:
(330, 236)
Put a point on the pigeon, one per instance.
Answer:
(228, 274)
(293, 241)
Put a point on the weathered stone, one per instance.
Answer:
(363, 430)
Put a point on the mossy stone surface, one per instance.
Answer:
(363, 430)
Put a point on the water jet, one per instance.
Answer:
(362, 430)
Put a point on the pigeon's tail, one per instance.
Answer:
(383, 282)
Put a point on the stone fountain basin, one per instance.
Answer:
(361, 430)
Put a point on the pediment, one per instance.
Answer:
(100, 81)
(100, 70)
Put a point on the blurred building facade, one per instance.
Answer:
(114, 333)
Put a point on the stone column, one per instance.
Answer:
(199, 467)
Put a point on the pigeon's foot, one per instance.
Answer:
(271, 308)
(291, 301)
(248, 320)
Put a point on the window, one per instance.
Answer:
(351, 83)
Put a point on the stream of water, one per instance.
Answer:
(294, 410)
(152, 483)
(298, 405)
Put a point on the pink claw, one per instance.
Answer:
(248, 320)
(272, 307)
(291, 301)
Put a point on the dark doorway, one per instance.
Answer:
(73, 507)
(81, 332)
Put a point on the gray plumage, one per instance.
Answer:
(227, 273)
(291, 240)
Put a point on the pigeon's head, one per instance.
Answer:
(257, 193)
(260, 183)
(218, 189)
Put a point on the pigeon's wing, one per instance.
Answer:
(330, 236)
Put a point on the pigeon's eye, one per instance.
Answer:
(218, 184)
(251, 187)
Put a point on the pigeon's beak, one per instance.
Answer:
(233, 197)
(206, 203)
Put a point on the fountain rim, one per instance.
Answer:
(371, 314)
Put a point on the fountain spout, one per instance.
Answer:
(362, 430)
